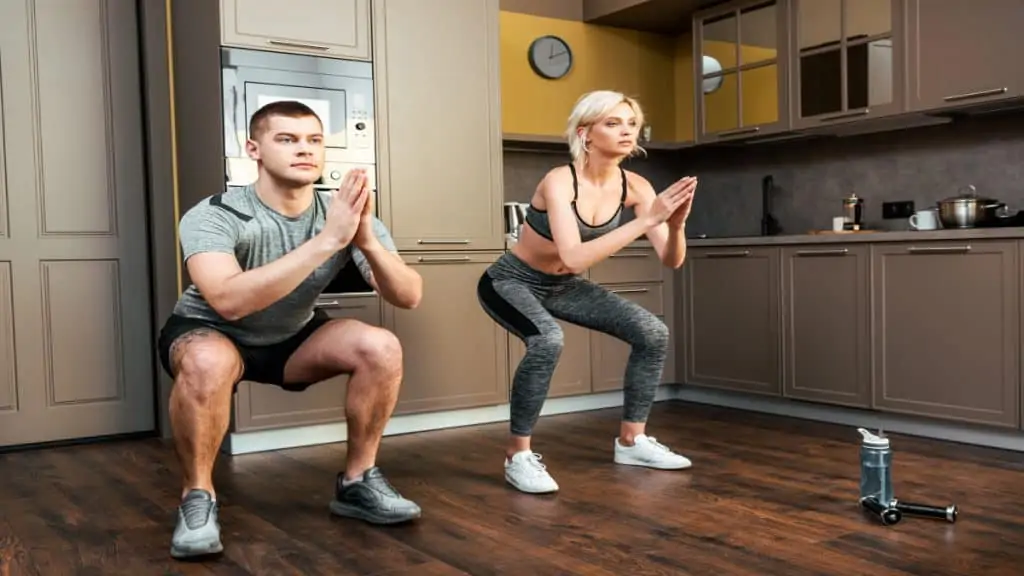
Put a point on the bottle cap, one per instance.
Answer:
(873, 440)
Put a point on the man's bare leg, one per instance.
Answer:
(206, 366)
(372, 357)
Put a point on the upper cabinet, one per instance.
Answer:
(964, 53)
(741, 70)
(439, 123)
(847, 60)
(331, 28)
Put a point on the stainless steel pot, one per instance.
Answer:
(968, 210)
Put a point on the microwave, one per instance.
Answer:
(339, 91)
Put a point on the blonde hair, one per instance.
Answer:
(590, 109)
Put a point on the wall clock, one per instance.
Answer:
(550, 57)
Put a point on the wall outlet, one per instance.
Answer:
(900, 209)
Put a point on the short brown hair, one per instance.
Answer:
(288, 108)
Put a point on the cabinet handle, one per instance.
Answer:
(629, 255)
(336, 304)
(436, 259)
(978, 94)
(861, 112)
(739, 132)
(835, 252)
(939, 249)
(738, 254)
(300, 45)
(442, 241)
(630, 291)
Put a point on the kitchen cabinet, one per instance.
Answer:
(741, 69)
(826, 311)
(455, 356)
(439, 123)
(964, 53)
(848, 61)
(946, 330)
(329, 28)
(609, 355)
(261, 406)
(732, 332)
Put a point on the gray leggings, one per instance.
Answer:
(526, 302)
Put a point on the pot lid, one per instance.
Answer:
(968, 193)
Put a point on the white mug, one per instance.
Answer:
(924, 220)
(837, 223)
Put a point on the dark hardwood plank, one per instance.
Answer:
(766, 495)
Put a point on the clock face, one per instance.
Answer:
(550, 57)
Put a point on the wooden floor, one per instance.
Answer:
(766, 496)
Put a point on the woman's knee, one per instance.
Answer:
(652, 334)
(548, 343)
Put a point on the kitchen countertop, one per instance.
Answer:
(860, 237)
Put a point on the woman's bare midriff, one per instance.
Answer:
(538, 252)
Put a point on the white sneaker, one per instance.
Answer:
(646, 451)
(526, 473)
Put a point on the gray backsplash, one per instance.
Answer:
(812, 177)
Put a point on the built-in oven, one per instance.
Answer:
(339, 91)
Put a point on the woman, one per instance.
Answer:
(572, 223)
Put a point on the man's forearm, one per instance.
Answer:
(396, 282)
(254, 290)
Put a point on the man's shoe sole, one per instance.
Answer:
(347, 511)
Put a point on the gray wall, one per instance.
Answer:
(812, 177)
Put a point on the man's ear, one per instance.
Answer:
(252, 149)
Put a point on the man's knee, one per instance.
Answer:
(378, 348)
(204, 363)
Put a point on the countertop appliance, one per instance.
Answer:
(339, 91)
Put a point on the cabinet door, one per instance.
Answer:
(826, 293)
(439, 123)
(741, 70)
(332, 28)
(610, 355)
(848, 60)
(946, 330)
(732, 329)
(965, 53)
(262, 406)
(455, 355)
(572, 376)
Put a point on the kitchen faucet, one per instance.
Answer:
(769, 225)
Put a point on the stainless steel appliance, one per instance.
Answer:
(853, 212)
(968, 210)
(339, 91)
(515, 216)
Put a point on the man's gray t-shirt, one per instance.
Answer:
(238, 222)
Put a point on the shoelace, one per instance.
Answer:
(196, 512)
(534, 464)
(658, 445)
(382, 485)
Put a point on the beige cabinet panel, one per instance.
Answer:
(331, 28)
(76, 353)
(261, 406)
(439, 123)
(947, 330)
(629, 265)
(572, 375)
(455, 355)
(608, 354)
(826, 296)
(964, 53)
(733, 327)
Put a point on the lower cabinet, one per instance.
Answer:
(732, 336)
(262, 406)
(947, 330)
(929, 328)
(455, 356)
(826, 324)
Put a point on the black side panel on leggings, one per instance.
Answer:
(508, 313)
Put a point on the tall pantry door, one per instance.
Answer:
(76, 353)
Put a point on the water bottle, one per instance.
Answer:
(875, 468)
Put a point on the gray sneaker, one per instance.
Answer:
(197, 532)
(372, 499)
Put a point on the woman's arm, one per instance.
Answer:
(578, 256)
(669, 237)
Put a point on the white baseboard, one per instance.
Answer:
(277, 439)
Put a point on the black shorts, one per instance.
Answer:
(263, 364)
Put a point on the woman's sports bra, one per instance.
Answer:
(538, 219)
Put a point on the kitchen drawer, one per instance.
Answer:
(629, 265)
(651, 296)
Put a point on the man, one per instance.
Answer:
(258, 258)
